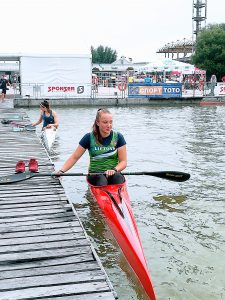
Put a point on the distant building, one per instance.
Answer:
(120, 66)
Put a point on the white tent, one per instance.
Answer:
(169, 65)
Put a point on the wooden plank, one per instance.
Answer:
(59, 261)
(40, 239)
(51, 280)
(29, 213)
(32, 190)
(42, 254)
(12, 228)
(42, 221)
(17, 209)
(92, 296)
(35, 199)
(48, 232)
(14, 188)
(30, 204)
(59, 269)
(52, 291)
(45, 245)
(41, 216)
(28, 194)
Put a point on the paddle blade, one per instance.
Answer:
(15, 178)
(171, 175)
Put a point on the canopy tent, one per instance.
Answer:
(170, 65)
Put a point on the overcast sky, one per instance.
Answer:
(134, 28)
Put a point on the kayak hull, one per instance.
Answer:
(114, 203)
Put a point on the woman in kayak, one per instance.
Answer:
(48, 116)
(107, 151)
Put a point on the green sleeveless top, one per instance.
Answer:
(103, 158)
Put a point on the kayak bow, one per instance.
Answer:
(114, 202)
(48, 137)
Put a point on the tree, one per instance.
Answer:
(103, 55)
(210, 50)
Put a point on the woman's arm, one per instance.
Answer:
(122, 156)
(38, 122)
(56, 124)
(75, 156)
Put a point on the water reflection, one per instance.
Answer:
(170, 202)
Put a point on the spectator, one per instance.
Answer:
(130, 79)
(201, 83)
(3, 85)
(148, 79)
(213, 82)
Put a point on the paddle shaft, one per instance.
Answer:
(169, 175)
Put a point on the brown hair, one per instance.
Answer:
(95, 126)
(45, 104)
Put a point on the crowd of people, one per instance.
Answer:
(193, 82)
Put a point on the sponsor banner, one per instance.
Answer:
(66, 89)
(220, 89)
(151, 90)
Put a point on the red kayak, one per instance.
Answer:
(115, 204)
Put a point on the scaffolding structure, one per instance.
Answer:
(185, 47)
(199, 16)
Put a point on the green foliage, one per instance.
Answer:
(210, 50)
(103, 55)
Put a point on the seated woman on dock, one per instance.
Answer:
(107, 151)
(48, 116)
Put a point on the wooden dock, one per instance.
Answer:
(44, 250)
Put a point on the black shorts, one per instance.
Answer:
(3, 91)
(102, 180)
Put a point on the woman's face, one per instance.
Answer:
(105, 123)
(43, 109)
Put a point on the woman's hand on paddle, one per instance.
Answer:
(56, 174)
(110, 172)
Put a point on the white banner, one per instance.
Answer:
(56, 76)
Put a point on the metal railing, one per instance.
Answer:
(117, 90)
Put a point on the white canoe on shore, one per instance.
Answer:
(48, 137)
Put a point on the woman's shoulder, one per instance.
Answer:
(120, 140)
(119, 134)
(85, 141)
(87, 135)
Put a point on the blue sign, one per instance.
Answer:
(154, 90)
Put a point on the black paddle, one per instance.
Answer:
(169, 175)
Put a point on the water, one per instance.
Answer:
(182, 225)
